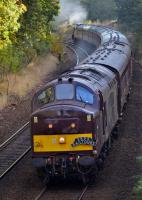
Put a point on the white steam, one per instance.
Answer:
(71, 11)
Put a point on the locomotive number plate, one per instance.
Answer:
(83, 140)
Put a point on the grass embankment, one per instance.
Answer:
(16, 86)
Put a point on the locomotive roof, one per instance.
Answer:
(98, 69)
(95, 76)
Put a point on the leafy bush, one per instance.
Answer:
(138, 190)
(11, 59)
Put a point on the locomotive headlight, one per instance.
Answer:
(35, 120)
(73, 125)
(89, 118)
(50, 126)
(62, 140)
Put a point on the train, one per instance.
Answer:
(75, 116)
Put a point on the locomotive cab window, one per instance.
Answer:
(84, 95)
(64, 91)
(46, 96)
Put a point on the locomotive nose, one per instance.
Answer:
(62, 129)
(61, 121)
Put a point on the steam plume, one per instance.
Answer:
(72, 11)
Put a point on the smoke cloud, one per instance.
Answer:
(71, 11)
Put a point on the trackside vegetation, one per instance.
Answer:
(100, 9)
(25, 27)
(138, 187)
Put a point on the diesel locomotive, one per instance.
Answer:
(74, 117)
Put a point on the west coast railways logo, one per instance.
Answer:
(83, 140)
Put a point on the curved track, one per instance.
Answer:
(81, 50)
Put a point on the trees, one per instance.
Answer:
(10, 12)
(36, 22)
(129, 19)
(100, 9)
(24, 27)
(129, 14)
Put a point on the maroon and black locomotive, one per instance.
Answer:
(73, 117)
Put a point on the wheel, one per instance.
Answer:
(85, 179)
(109, 143)
(115, 132)
(100, 163)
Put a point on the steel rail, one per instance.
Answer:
(5, 143)
(41, 193)
(75, 48)
(14, 149)
(75, 52)
(44, 189)
(14, 163)
(83, 192)
(84, 51)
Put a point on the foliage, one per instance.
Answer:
(10, 12)
(56, 43)
(129, 14)
(139, 159)
(129, 20)
(36, 21)
(11, 59)
(100, 9)
(138, 189)
(24, 29)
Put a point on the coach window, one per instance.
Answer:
(46, 96)
(84, 95)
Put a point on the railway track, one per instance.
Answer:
(80, 51)
(59, 194)
(14, 149)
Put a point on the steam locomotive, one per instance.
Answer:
(74, 117)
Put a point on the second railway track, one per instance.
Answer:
(14, 149)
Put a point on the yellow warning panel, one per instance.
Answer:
(57, 143)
